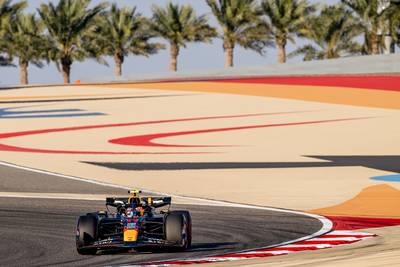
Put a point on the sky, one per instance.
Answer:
(196, 57)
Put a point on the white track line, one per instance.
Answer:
(274, 252)
(323, 239)
(7, 164)
(327, 224)
(263, 253)
(351, 233)
(53, 196)
(319, 246)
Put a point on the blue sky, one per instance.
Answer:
(195, 57)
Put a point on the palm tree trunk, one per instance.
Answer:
(374, 43)
(229, 53)
(66, 69)
(119, 59)
(281, 52)
(229, 58)
(23, 72)
(174, 53)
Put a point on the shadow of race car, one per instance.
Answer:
(135, 222)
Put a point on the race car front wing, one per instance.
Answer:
(144, 242)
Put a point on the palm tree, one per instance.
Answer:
(393, 13)
(68, 24)
(373, 20)
(287, 19)
(179, 24)
(8, 13)
(125, 31)
(27, 42)
(333, 32)
(241, 24)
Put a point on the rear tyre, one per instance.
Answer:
(86, 234)
(178, 229)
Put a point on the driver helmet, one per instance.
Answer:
(129, 212)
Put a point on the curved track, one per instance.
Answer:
(40, 232)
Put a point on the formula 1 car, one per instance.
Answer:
(137, 222)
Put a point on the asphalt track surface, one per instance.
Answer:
(40, 232)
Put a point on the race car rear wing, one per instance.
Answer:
(151, 201)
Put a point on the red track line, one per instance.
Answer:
(342, 236)
(4, 147)
(293, 249)
(355, 223)
(49, 151)
(336, 243)
(387, 83)
(320, 242)
(90, 127)
(149, 140)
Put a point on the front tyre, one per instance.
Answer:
(86, 234)
(178, 229)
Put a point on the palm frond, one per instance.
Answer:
(241, 24)
(179, 24)
(333, 32)
(287, 18)
(373, 19)
(68, 23)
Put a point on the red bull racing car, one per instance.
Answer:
(136, 222)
